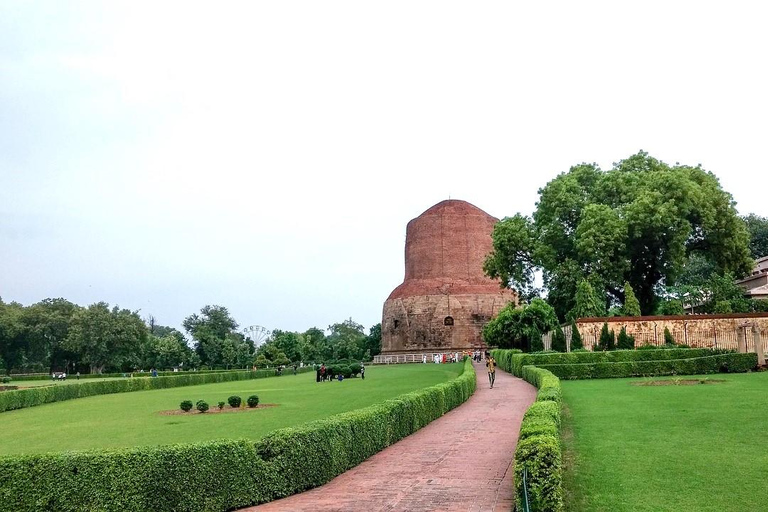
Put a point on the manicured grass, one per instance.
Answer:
(132, 419)
(657, 448)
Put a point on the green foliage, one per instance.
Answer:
(19, 399)
(625, 341)
(639, 222)
(102, 335)
(607, 339)
(234, 401)
(536, 343)
(587, 303)
(672, 307)
(576, 342)
(558, 340)
(723, 307)
(252, 401)
(221, 405)
(669, 340)
(520, 327)
(209, 330)
(201, 406)
(355, 369)
(223, 475)
(758, 233)
(512, 260)
(631, 304)
(186, 405)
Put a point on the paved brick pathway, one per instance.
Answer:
(460, 462)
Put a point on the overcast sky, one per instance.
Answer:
(266, 156)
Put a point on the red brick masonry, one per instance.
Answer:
(460, 462)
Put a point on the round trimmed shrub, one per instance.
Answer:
(355, 369)
(234, 401)
(221, 405)
(202, 405)
(253, 401)
(186, 405)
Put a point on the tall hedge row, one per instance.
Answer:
(21, 398)
(515, 362)
(722, 363)
(222, 475)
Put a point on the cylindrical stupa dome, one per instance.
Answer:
(445, 298)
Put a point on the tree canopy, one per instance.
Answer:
(758, 233)
(521, 326)
(638, 222)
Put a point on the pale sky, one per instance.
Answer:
(266, 156)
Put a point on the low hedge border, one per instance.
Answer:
(538, 451)
(722, 363)
(120, 374)
(21, 398)
(222, 475)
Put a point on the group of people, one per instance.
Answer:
(454, 357)
(324, 373)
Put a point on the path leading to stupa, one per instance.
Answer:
(460, 462)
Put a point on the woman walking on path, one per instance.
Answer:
(490, 362)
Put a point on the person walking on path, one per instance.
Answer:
(490, 362)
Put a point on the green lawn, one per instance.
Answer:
(132, 419)
(667, 448)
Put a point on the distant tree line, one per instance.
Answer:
(58, 335)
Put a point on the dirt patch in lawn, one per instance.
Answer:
(677, 382)
(215, 410)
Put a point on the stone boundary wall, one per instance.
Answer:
(701, 331)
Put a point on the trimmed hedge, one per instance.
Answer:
(514, 363)
(722, 363)
(538, 453)
(21, 398)
(73, 376)
(222, 475)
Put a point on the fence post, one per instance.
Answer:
(742, 339)
(758, 345)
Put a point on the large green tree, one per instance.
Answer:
(106, 337)
(209, 329)
(348, 340)
(48, 324)
(13, 339)
(639, 222)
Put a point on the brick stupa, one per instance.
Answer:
(445, 299)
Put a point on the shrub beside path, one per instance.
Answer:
(459, 462)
